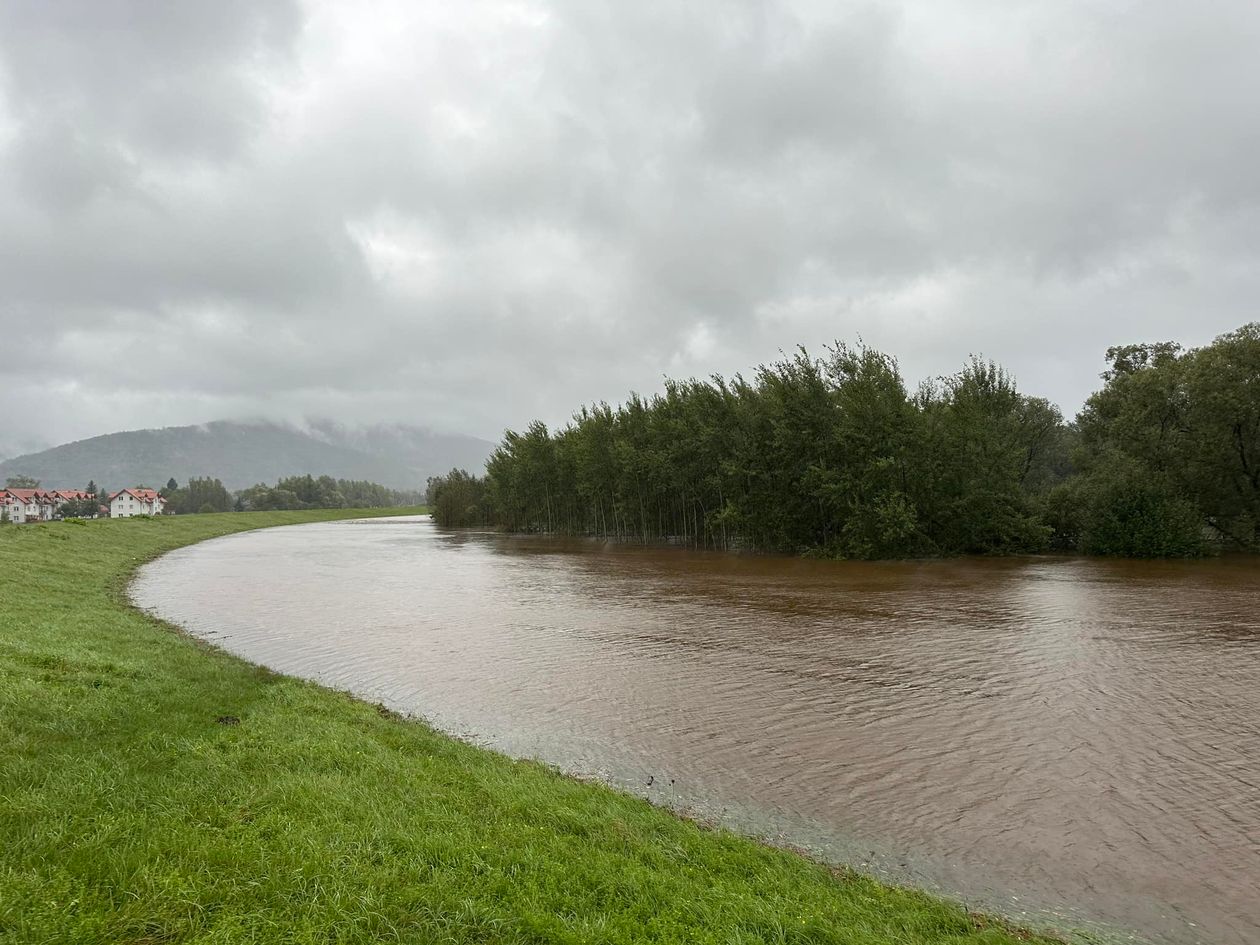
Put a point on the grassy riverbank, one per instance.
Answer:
(130, 814)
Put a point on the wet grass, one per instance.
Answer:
(153, 790)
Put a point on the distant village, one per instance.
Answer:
(23, 500)
(47, 505)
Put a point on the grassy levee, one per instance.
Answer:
(129, 814)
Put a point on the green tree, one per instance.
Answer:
(869, 490)
(1121, 507)
(834, 457)
(81, 508)
(980, 441)
(1220, 465)
(458, 499)
(198, 496)
(827, 456)
(1189, 420)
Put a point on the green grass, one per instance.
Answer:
(128, 814)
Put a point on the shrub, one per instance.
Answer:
(1126, 509)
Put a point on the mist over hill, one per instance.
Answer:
(242, 454)
(10, 447)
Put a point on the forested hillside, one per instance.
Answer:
(242, 454)
(835, 456)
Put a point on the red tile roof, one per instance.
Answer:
(144, 495)
(27, 495)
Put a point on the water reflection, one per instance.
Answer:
(1044, 736)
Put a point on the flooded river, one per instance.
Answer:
(1072, 741)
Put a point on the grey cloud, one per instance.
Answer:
(480, 213)
(161, 78)
(58, 171)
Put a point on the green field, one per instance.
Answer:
(130, 813)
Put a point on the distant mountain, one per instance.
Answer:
(242, 454)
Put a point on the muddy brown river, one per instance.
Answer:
(1074, 743)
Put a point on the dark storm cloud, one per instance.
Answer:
(473, 214)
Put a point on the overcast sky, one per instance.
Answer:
(470, 214)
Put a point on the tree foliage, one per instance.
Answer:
(322, 492)
(834, 456)
(1123, 508)
(1187, 423)
(458, 500)
(829, 456)
(199, 495)
(80, 508)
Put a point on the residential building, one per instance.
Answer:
(131, 502)
(12, 509)
(37, 505)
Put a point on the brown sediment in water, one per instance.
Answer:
(1083, 735)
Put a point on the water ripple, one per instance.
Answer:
(1069, 740)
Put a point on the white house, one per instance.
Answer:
(131, 502)
(12, 509)
(35, 505)
(40, 505)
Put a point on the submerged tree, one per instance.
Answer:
(833, 456)
(812, 455)
(1188, 420)
(458, 499)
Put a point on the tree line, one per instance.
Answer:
(324, 492)
(835, 456)
(207, 494)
